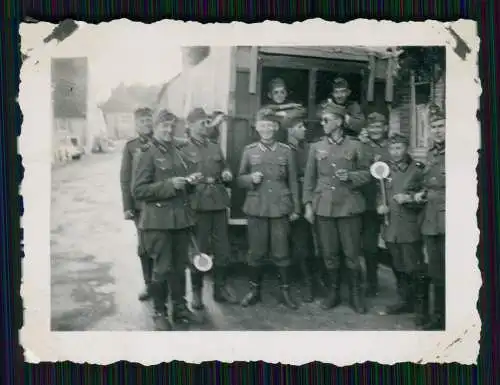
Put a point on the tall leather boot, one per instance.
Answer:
(356, 292)
(306, 270)
(404, 287)
(421, 300)
(333, 297)
(286, 296)
(223, 292)
(180, 312)
(254, 295)
(147, 270)
(437, 321)
(159, 293)
(197, 283)
(371, 261)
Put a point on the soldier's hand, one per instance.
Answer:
(402, 198)
(293, 217)
(309, 214)
(257, 177)
(347, 118)
(179, 182)
(194, 178)
(363, 136)
(129, 215)
(342, 174)
(227, 176)
(382, 209)
(420, 197)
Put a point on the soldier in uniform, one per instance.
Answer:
(354, 120)
(280, 106)
(433, 196)
(268, 173)
(132, 208)
(301, 240)
(334, 173)
(210, 202)
(402, 234)
(375, 149)
(162, 182)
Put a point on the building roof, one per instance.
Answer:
(128, 98)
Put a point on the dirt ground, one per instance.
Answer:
(96, 274)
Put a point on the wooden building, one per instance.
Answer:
(234, 80)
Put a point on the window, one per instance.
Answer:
(419, 129)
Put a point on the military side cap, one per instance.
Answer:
(333, 108)
(276, 82)
(165, 116)
(438, 115)
(197, 114)
(143, 111)
(340, 83)
(376, 117)
(398, 138)
(267, 114)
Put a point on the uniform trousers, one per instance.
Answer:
(406, 258)
(146, 260)
(301, 240)
(436, 250)
(268, 237)
(337, 235)
(212, 235)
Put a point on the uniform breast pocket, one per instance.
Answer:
(323, 163)
(163, 164)
(283, 164)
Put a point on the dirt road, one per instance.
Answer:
(96, 274)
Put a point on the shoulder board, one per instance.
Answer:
(420, 165)
(251, 145)
(283, 145)
(131, 140)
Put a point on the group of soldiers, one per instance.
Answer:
(314, 203)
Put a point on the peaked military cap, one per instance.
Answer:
(376, 117)
(437, 115)
(333, 108)
(276, 82)
(143, 111)
(165, 116)
(397, 137)
(197, 114)
(340, 83)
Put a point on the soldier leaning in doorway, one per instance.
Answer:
(132, 208)
(401, 233)
(268, 173)
(279, 105)
(375, 150)
(210, 202)
(433, 196)
(354, 121)
(163, 183)
(335, 171)
(301, 240)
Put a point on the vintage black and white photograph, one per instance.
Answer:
(247, 187)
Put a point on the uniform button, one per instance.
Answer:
(270, 190)
(333, 188)
(334, 165)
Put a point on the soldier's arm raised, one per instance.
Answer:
(310, 176)
(292, 181)
(145, 188)
(244, 176)
(356, 117)
(361, 175)
(126, 179)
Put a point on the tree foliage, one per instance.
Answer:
(427, 63)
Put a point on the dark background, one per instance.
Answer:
(487, 13)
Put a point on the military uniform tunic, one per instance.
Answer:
(338, 205)
(302, 243)
(402, 234)
(434, 217)
(210, 199)
(167, 214)
(269, 203)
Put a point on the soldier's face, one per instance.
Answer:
(340, 95)
(278, 94)
(144, 125)
(331, 123)
(266, 129)
(376, 131)
(164, 131)
(397, 151)
(299, 131)
(199, 128)
(438, 131)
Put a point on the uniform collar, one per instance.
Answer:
(143, 139)
(295, 143)
(337, 141)
(164, 147)
(438, 148)
(264, 147)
